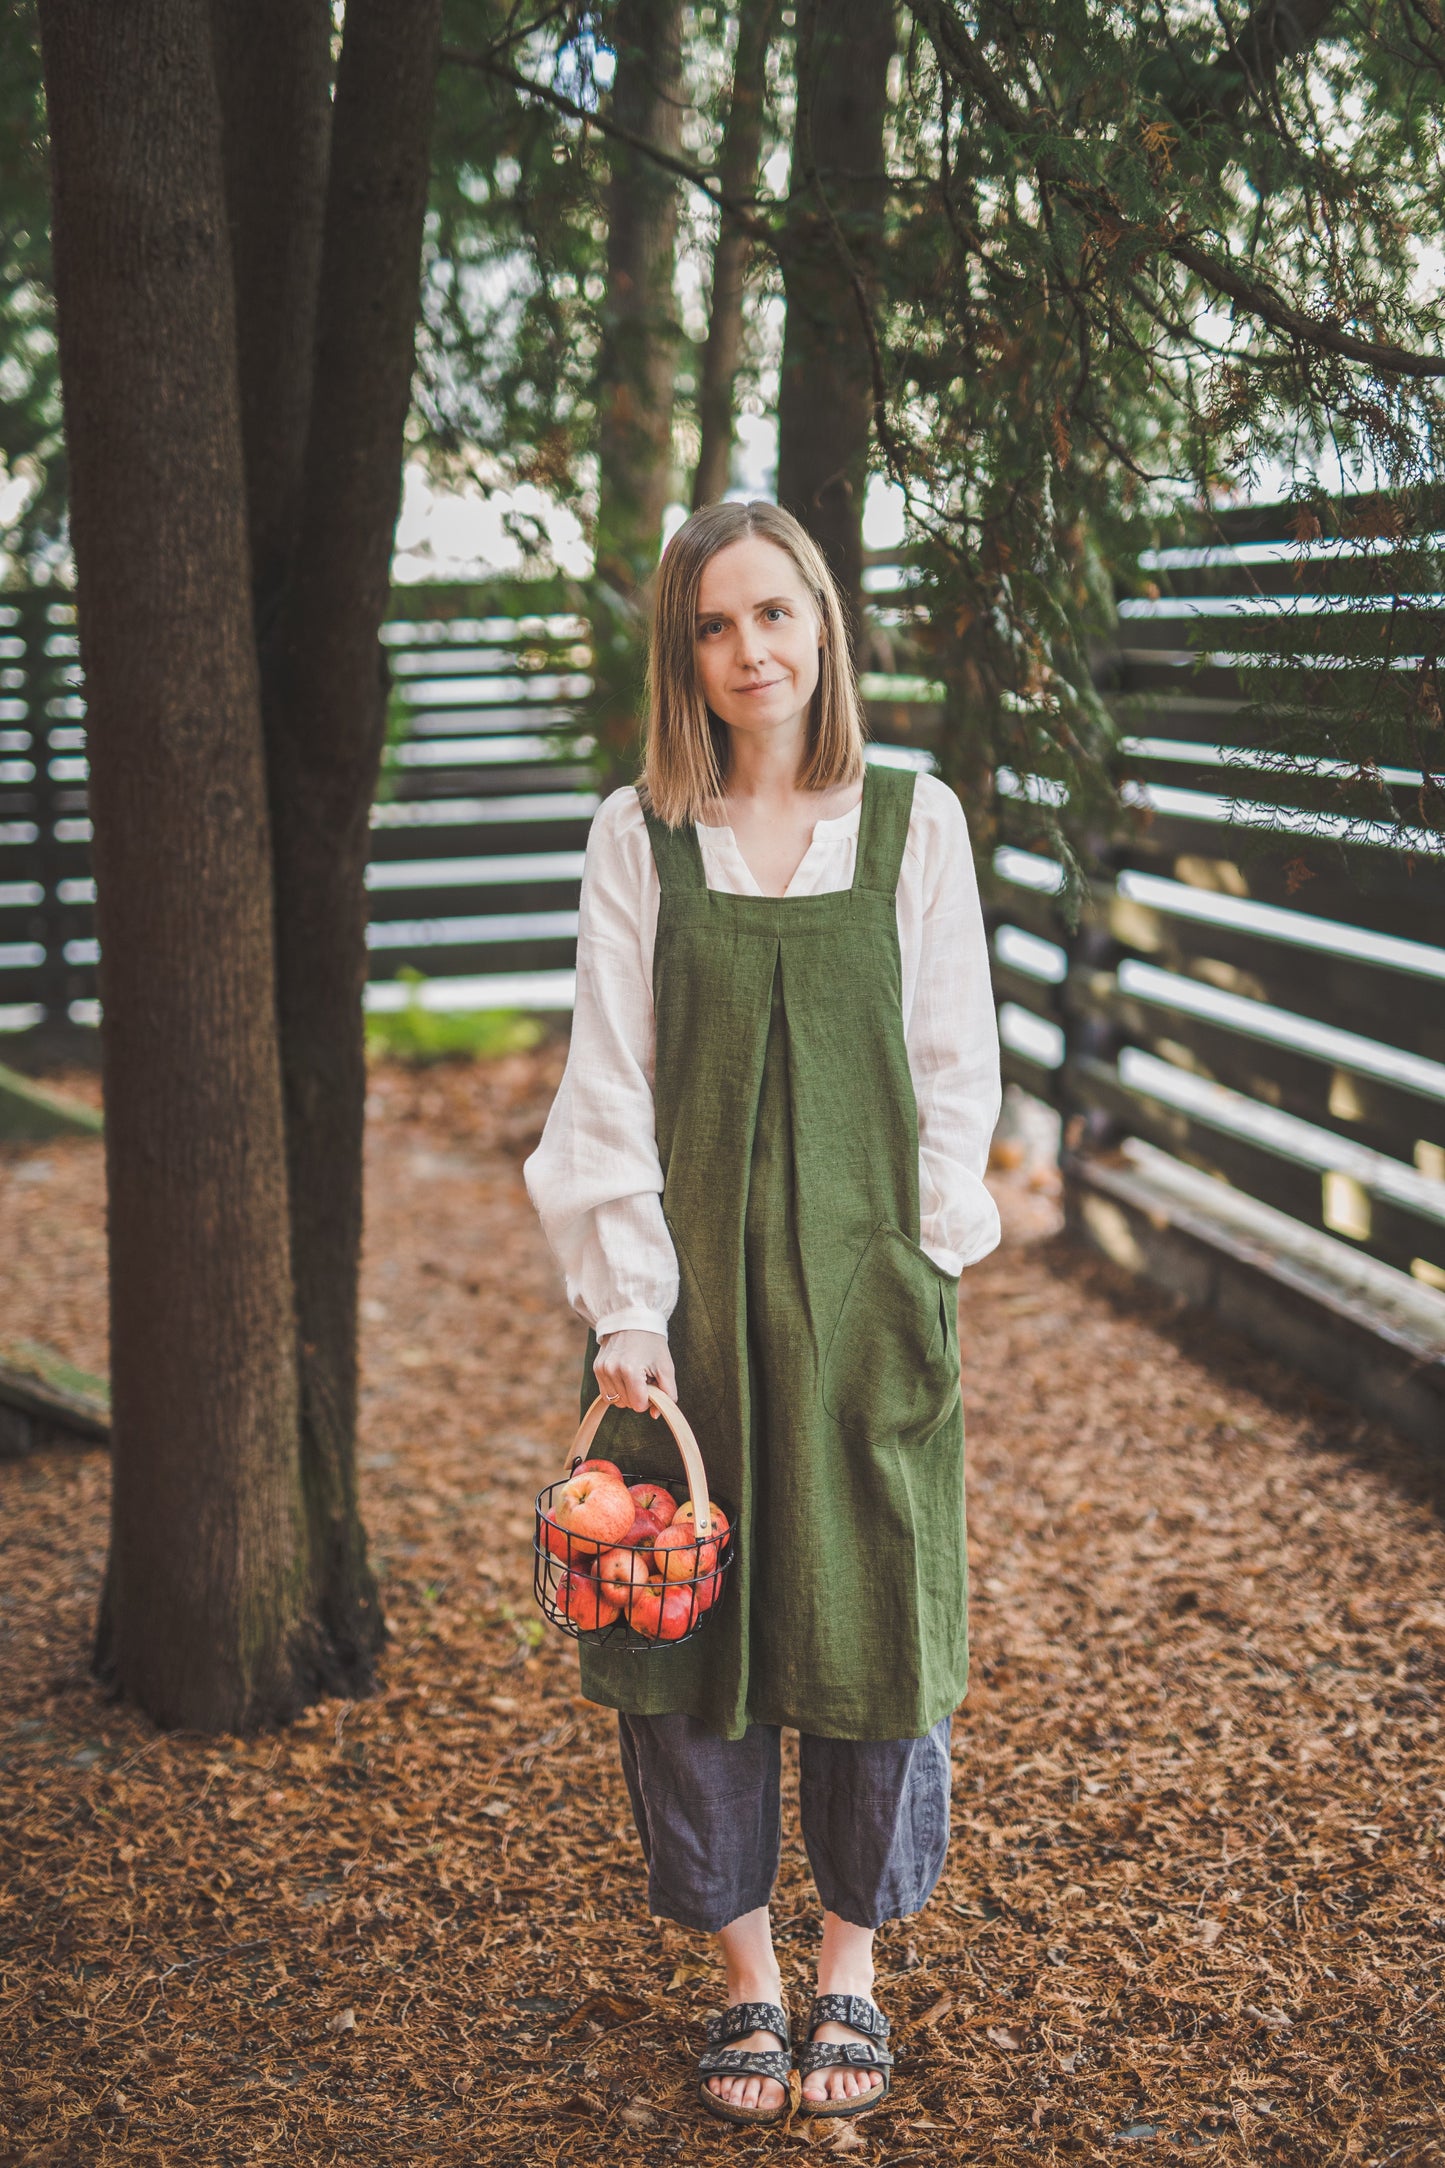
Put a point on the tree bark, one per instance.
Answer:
(833, 233)
(273, 68)
(738, 176)
(636, 368)
(326, 687)
(637, 365)
(204, 1606)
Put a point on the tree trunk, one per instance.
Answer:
(742, 142)
(325, 708)
(273, 67)
(203, 1614)
(834, 227)
(637, 363)
(326, 341)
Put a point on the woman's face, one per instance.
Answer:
(758, 637)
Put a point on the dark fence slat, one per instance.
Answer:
(476, 959)
(473, 898)
(1030, 993)
(1030, 1076)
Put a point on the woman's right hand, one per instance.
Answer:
(627, 1362)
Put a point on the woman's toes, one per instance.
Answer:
(745, 2092)
(841, 2084)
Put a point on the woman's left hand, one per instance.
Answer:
(626, 1361)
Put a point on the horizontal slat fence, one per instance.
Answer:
(46, 935)
(478, 835)
(1231, 996)
(1286, 1035)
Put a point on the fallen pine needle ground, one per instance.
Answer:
(1195, 1906)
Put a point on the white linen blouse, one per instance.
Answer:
(595, 1178)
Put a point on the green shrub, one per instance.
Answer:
(419, 1035)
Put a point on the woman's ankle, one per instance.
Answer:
(749, 1960)
(754, 1986)
(845, 1961)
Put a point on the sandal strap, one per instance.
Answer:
(741, 2018)
(746, 2063)
(842, 2055)
(855, 2011)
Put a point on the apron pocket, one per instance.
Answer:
(891, 1371)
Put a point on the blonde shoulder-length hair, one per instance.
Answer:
(685, 746)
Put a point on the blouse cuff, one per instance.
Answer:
(634, 1320)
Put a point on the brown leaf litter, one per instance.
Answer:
(1194, 1907)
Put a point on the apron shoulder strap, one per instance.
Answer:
(676, 854)
(883, 827)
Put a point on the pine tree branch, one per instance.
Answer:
(736, 208)
(961, 56)
(1271, 308)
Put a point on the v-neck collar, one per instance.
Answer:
(729, 842)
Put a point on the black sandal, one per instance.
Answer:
(869, 2053)
(722, 2061)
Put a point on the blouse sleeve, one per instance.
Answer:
(595, 1178)
(952, 1039)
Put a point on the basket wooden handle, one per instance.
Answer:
(683, 1438)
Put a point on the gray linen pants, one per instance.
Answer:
(708, 1811)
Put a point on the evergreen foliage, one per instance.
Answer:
(1134, 265)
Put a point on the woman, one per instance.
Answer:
(762, 1176)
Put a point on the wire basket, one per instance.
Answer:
(661, 1600)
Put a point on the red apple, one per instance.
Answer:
(553, 1538)
(720, 1523)
(598, 1467)
(644, 1532)
(678, 1614)
(585, 1602)
(652, 1498)
(679, 1556)
(644, 1608)
(619, 1573)
(708, 1590)
(596, 1511)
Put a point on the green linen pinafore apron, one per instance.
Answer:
(816, 1344)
